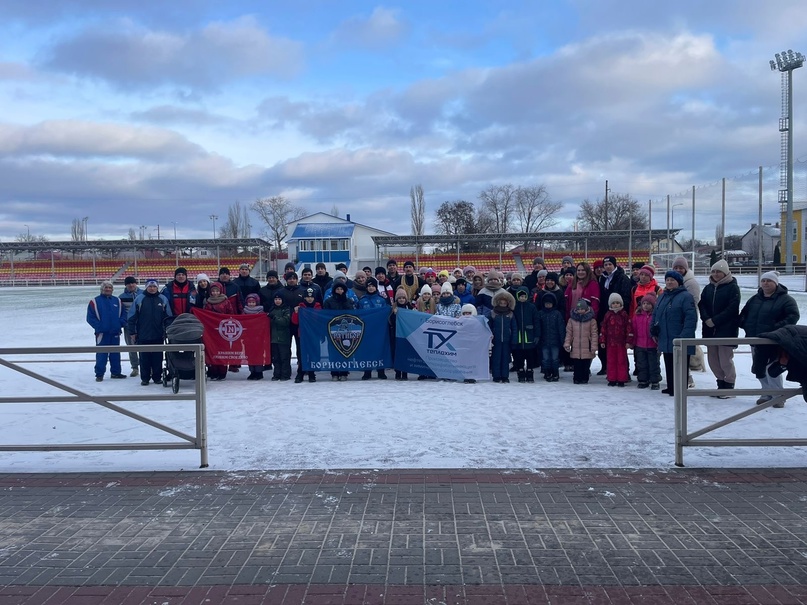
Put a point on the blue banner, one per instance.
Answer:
(442, 347)
(344, 341)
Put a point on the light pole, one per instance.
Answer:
(213, 218)
(174, 223)
(786, 62)
(86, 220)
(143, 232)
(672, 222)
(27, 233)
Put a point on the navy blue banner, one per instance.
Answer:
(344, 341)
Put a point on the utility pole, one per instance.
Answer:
(605, 226)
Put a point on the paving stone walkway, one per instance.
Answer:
(617, 536)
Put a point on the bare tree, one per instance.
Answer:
(624, 212)
(78, 230)
(534, 210)
(417, 211)
(277, 212)
(334, 210)
(499, 201)
(237, 225)
(133, 236)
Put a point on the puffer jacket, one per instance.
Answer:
(551, 323)
(582, 336)
(720, 302)
(674, 317)
(146, 317)
(765, 314)
(526, 314)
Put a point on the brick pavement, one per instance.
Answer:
(420, 536)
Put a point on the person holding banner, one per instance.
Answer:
(504, 327)
(218, 302)
(400, 302)
(372, 300)
(448, 305)
(339, 301)
(309, 302)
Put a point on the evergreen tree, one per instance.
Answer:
(713, 257)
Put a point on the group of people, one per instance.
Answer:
(543, 320)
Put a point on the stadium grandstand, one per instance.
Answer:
(91, 262)
(551, 246)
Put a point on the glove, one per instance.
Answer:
(709, 323)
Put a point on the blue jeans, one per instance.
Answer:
(550, 358)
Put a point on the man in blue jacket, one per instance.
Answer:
(105, 315)
(146, 324)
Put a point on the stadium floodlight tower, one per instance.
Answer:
(786, 62)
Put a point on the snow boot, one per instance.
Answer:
(404, 376)
(298, 378)
(522, 377)
(530, 376)
(312, 377)
(135, 372)
(397, 375)
(382, 374)
(367, 375)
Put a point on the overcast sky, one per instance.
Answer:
(138, 113)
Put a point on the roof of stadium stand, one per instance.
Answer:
(125, 244)
(578, 236)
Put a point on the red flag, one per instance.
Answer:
(235, 339)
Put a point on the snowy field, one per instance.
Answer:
(367, 424)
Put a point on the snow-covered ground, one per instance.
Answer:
(367, 424)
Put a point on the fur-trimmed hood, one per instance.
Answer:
(511, 302)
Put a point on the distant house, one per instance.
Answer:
(329, 239)
(770, 235)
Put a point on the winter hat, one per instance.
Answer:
(182, 270)
(290, 275)
(426, 289)
(437, 289)
(366, 269)
(648, 269)
(468, 308)
(372, 281)
(516, 275)
(391, 262)
(543, 273)
(615, 297)
(401, 292)
(271, 273)
(381, 270)
(495, 275)
(460, 280)
(452, 280)
(243, 266)
(131, 279)
(278, 295)
(682, 262)
(570, 271)
(217, 285)
(202, 277)
(429, 273)
(443, 273)
(637, 265)
(106, 283)
(288, 266)
(224, 270)
(538, 259)
(676, 276)
(254, 297)
(341, 267)
(469, 269)
(548, 297)
(596, 264)
(609, 259)
(339, 275)
(771, 275)
(721, 266)
(522, 291)
(567, 259)
(552, 276)
(582, 305)
(309, 293)
(407, 263)
(446, 289)
(152, 282)
(341, 285)
(650, 298)
(360, 274)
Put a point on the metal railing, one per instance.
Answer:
(199, 396)
(684, 438)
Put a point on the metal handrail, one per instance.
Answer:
(197, 441)
(683, 438)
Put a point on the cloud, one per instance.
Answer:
(15, 71)
(82, 139)
(383, 29)
(172, 114)
(129, 56)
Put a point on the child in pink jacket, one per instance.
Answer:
(645, 348)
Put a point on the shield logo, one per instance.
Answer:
(346, 332)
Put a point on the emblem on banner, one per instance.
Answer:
(230, 330)
(346, 332)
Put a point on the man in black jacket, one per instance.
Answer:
(245, 282)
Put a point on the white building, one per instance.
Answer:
(329, 239)
(771, 236)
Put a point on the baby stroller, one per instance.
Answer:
(186, 329)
